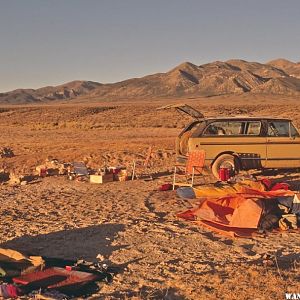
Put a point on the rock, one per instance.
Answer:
(14, 179)
(6, 152)
(4, 176)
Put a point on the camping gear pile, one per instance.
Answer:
(109, 174)
(73, 171)
(243, 208)
(52, 167)
(80, 172)
(21, 274)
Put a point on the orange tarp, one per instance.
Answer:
(231, 213)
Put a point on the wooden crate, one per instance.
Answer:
(101, 178)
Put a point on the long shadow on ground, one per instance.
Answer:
(77, 243)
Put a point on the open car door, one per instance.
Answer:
(185, 109)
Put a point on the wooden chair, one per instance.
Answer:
(194, 166)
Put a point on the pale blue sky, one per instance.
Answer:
(49, 42)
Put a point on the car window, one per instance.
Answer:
(225, 128)
(278, 128)
(253, 128)
(294, 131)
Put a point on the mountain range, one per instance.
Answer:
(234, 76)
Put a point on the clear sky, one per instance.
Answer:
(49, 42)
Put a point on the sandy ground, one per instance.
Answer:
(132, 224)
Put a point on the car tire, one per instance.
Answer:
(225, 161)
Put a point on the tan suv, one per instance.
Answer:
(240, 143)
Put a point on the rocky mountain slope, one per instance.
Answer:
(293, 69)
(186, 80)
(69, 90)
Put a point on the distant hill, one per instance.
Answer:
(69, 90)
(293, 69)
(186, 80)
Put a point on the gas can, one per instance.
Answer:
(224, 174)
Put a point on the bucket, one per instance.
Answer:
(224, 174)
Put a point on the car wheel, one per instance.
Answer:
(225, 161)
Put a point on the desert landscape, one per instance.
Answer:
(132, 224)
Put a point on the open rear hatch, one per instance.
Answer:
(185, 109)
(181, 143)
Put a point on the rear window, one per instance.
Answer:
(235, 128)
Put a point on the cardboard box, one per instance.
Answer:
(101, 178)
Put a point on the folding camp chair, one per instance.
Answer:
(194, 166)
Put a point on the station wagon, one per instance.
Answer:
(241, 142)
